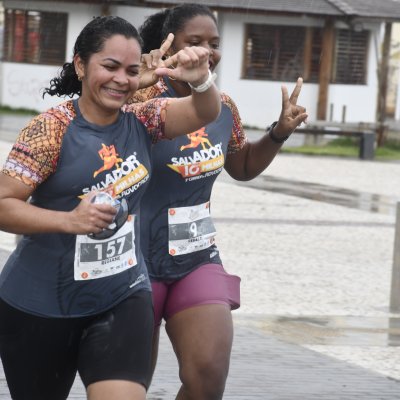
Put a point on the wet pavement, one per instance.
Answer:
(327, 194)
(334, 330)
(312, 239)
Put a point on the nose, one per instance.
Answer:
(120, 77)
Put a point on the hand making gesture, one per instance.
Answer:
(189, 64)
(292, 115)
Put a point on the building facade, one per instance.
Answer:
(263, 48)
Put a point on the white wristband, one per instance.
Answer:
(206, 85)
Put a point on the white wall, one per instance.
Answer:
(259, 102)
(360, 100)
(135, 15)
(22, 84)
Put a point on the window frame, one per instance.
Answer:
(311, 49)
(34, 37)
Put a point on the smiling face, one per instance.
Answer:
(200, 31)
(109, 79)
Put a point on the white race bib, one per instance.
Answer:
(190, 229)
(99, 258)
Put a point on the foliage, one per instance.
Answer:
(17, 111)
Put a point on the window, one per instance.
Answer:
(35, 37)
(350, 57)
(280, 53)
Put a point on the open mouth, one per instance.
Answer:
(116, 92)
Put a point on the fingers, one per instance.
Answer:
(286, 101)
(189, 64)
(147, 59)
(296, 91)
(285, 97)
(165, 46)
(301, 118)
(101, 216)
(155, 57)
(189, 57)
(94, 216)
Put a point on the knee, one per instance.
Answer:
(205, 377)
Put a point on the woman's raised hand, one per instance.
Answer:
(292, 115)
(190, 64)
(153, 60)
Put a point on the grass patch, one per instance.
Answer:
(17, 111)
(347, 147)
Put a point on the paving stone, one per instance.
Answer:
(300, 258)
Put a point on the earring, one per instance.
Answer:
(79, 78)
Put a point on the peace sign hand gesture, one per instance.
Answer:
(292, 115)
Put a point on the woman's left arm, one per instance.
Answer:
(253, 158)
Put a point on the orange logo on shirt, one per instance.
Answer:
(110, 158)
(197, 138)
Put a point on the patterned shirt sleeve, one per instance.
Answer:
(238, 137)
(152, 115)
(148, 93)
(34, 155)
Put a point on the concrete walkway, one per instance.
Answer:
(315, 320)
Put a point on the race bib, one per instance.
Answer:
(99, 258)
(190, 229)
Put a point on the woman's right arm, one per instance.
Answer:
(18, 216)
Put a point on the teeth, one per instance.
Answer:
(115, 91)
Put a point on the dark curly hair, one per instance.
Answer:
(157, 26)
(90, 41)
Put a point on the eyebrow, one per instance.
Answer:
(117, 62)
(195, 36)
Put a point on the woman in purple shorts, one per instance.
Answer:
(75, 295)
(191, 289)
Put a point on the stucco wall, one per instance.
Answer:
(22, 84)
(259, 101)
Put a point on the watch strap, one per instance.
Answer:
(273, 137)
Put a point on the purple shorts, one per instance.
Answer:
(208, 284)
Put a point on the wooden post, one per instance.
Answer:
(105, 9)
(307, 53)
(395, 286)
(325, 70)
(383, 76)
(344, 108)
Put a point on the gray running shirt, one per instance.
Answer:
(63, 157)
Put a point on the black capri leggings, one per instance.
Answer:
(42, 355)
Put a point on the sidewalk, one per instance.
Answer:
(314, 321)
